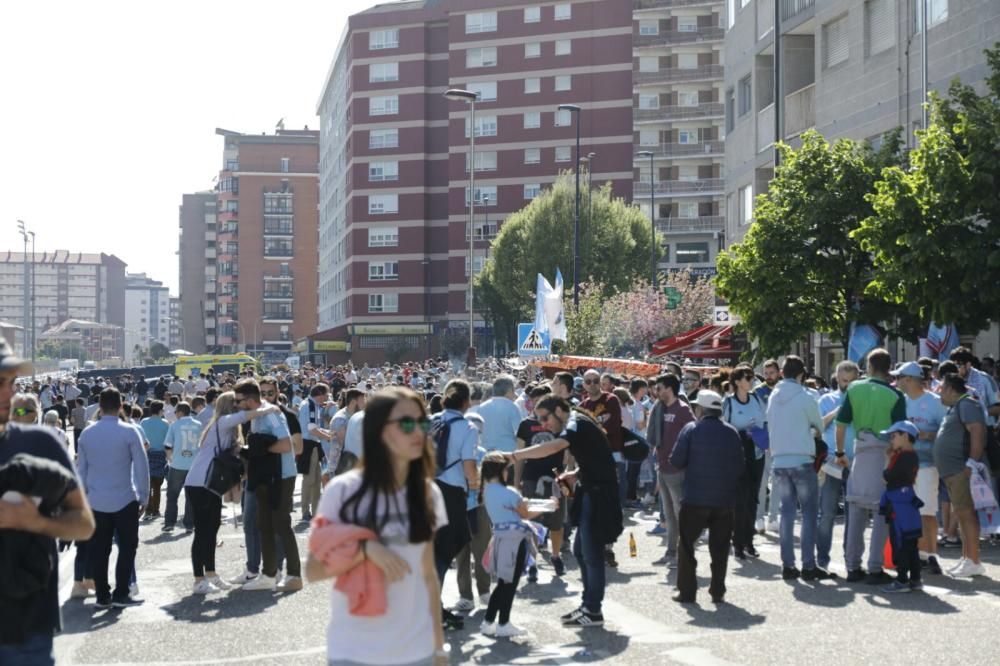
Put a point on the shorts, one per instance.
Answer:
(927, 490)
(960, 491)
(530, 490)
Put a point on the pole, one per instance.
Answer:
(923, 58)
(576, 223)
(34, 270)
(590, 193)
(25, 337)
(652, 219)
(777, 81)
(472, 226)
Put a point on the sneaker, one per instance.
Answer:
(484, 599)
(950, 543)
(217, 582)
(203, 586)
(103, 605)
(80, 591)
(879, 578)
(751, 551)
(968, 570)
(167, 528)
(584, 619)
(817, 573)
(665, 560)
(657, 531)
(759, 526)
(488, 628)
(558, 565)
(609, 558)
(133, 590)
(127, 602)
(509, 630)
(290, 584)
(917, 586)
(789, 573)
(260, 583)
(740, 554)
(571, 615)
(933, 566)
(956, 566)
(856, 576)
(532, 574)
(681, 599)
(896, 587)
(451, 621)
(464, 605)
(243, 578)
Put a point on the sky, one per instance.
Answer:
(108, 110)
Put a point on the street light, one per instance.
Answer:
(34, 270)
(652, 211)
(457, 94)
(576, 223)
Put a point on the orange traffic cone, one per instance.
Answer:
(887, 555)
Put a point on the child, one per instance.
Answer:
(513, 539)
(900, 506)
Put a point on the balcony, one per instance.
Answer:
(697, 187)
(696, 149)
(800, 110)
(672, 37)
(790, 8)
(678, 112)
(484, 232)
(229, 230)
(765, 127)
(278, 316)
(665, 4)
(278, 229)
(678, 225)
(677, 75)
(225, 214)
(278, 294)
(278, 252)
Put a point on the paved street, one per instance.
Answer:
(767, 621)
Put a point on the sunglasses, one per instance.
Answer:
(23, 411)
(408, 424)
(591, 381)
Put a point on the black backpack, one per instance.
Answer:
(441, 432)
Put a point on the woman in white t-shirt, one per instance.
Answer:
(393, 494)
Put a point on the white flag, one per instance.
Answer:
(549, 316)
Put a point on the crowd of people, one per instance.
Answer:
(414, 470)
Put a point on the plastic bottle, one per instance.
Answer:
(632, 551)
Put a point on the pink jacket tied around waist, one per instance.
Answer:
(336, 545)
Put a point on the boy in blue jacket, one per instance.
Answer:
(901, 506)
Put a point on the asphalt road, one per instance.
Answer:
(765, 620)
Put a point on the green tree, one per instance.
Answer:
(615, 247)
(159, 351)
(583, 327)
(935, 229)
(798, 269)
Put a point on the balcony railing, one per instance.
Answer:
(277, 293)
(677, 74)
(669, 37)
(278, 230)
(790, 8)
(679, 112)
(800, 110)
(279, 315)
(229, 230)
(686, 149)
(660, 4)
(278, 252)
(698, 186)
(765, 127)
(690, 224)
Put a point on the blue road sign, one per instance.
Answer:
(530, 342)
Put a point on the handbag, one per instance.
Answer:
(636, 447)
(225, 470)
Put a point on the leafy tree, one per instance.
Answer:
(935, 228)
(583, 326)
(615, 246)
(798, 269)
(158, 351)
(396, 349)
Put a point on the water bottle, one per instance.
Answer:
(632, 551)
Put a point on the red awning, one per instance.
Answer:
(704, 342)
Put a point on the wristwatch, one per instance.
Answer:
(840, 454)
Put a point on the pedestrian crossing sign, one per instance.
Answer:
(530, 342)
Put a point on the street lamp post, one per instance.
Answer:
(576, 222)
(652, 211)
(457, 94)
(27, 286)
(590, 188)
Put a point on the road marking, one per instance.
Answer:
(696, 656)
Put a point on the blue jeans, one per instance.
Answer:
(252, 535)
(36, 650)
(589, 554)
(175, 485)
(798, 484)
(622, 482)
(829, 496)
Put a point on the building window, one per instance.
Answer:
(382, 72)
(532, 14)
(486, 195)
(692, 253)
(880, 25)
(383, 106)
(564, 11)
(532, 120)
(387, 138)
(687, 173)
(687, 98)
(383, 303)
(687, 24)
(487, 90)
(481, 57)
(835, 49)
(563, 82)
(479, 261)
(278, 247)
(649, 64)
(383, 236)
(564, 47)
(744, 95)
(533, 50)
(563, 153)
(383, 39)
(649, 27)
(649, 137)
(532, 190)
(383, 270)
(480, 22)
(687, 136)
(746, 204)
(532, 85)
(687, 60)
(383, 171)
(485, 126)
(730, 110)
(563, 118)
(687, 209)
(937, 12)
(532, 155)
(285, 163)
(383, 204)
(649, 101)
(485, 161)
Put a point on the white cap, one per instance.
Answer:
(709, 399)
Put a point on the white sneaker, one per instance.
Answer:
(203, 586)
(509, 630)
(133, 590)
(243, 578)
(484, 599)
(955, 567)
(488, 628)
(968, 570)
(261, 583)
(290, 584)
(464, 605)
(219, 583)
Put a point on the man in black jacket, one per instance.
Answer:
(711, 454)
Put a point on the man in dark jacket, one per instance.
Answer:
(711, 455)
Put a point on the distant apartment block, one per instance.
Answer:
(197, 254)
(147, 316)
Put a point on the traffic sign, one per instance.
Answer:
(530, 342)
(723, 317)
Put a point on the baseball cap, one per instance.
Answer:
(709, 399)
(11, 363)
(901, 426)
(909, 369)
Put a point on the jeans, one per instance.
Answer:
(277, 523)
(829, 497)
(126, 523)
(747, 490)
(175, 484)
(480, 540)
(251, 534)
(207, 508)
(671, 487)
(767, 477)
(622, 481)
(798, 485)
(694, 519)
(36, 650)
(589, 554)
(502, 598)
(858, 516)
(312, 485)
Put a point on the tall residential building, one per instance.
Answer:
(147, 316)
(394, 266)
(197, 256)
(176, 326)
(66, 285)
(678, 117)
(267, 239)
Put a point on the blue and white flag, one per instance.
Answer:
(940, 341)
(549, 316)
(864, 338)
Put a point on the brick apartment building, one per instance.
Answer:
(393, 217)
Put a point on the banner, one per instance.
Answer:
(863, 339)
(549, 317)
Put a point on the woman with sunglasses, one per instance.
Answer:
(392, 494)
(745, 411)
